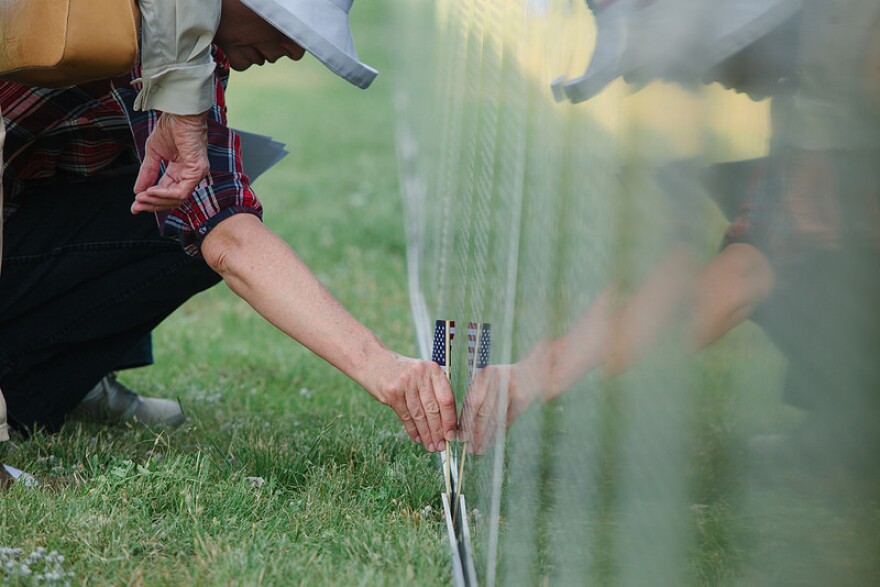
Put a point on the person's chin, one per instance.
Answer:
(244, 63)
(241, 65)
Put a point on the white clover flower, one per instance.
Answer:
(256, 481)
(38, 566)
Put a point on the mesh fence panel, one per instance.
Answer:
(678, 255)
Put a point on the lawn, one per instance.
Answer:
(526, 209)
(286, 472)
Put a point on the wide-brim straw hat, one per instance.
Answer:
(641, 40)
(320, 27)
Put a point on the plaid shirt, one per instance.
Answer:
(92, 130)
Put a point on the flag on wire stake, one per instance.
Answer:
(472, 348)
(479, 346)
(444, 332)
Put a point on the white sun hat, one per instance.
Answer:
(321, 28)
(642, 40)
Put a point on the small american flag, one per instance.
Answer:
(479, 343)
(444, 332)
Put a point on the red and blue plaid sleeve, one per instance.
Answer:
(88, 130)
(226, 191)
(69, 133)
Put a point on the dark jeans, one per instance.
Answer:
(83, 283)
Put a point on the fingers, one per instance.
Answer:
(176, 192)
(181, 142)
(160, 146)
(146, 202)
(173, 189)
(420, 395)
(438, 406)
(149, 171)
(481, 408)
(422, 398)
(184, 174)
(409, 425)
(486, 416)
(417, 412)
(476, 395)
(448, 416)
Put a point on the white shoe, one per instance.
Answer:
(6, 480)
(110, 402)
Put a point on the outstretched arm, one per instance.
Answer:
(713, 300)
(264, 271)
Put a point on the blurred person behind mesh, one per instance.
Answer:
(800, 257)
(816, 217)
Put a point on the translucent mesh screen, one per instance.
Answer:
(669, 212)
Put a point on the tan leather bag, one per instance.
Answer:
(59, 43)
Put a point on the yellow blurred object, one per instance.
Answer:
(713, 123)
(59, 43)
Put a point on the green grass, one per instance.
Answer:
(288, 473)
(343, 492)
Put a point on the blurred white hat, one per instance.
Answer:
(642, 40)
(321, 28)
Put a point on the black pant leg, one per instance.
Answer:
(83, 283)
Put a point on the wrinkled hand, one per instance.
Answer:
(506, 391)
(498, 392)
(181, 141)
(421, 396)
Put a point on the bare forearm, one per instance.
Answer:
(650, 311)
(712, 301)
(728, 290)
(566, 359)
(264, 271)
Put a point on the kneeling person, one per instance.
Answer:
(84, 280)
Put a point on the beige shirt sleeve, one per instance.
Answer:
(177, 67)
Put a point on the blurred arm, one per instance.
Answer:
(715, 299)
